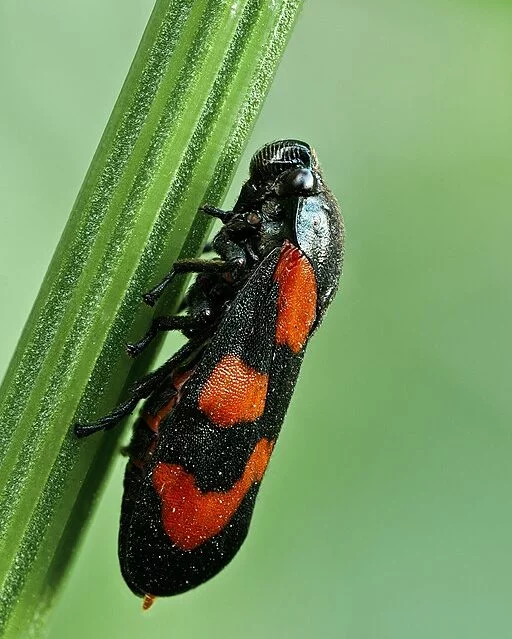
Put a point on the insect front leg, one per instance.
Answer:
(225, 244)
(233, 241)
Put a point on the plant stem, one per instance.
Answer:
(172, 143)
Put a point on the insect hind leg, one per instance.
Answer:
(110, 420)
(140, 390)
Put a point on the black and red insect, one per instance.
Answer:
(214, 410)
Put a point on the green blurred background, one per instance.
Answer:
(387, 508)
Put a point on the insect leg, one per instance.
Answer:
(213, 211)
(141, 389)
(209, 246)
(159, 324)
(189, 266)
(184, 304)
(229, 250)
(110, 420)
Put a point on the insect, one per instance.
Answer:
(214, 410)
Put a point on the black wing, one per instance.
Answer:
(188, 515)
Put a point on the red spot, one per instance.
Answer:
(191, 517)
(233, 393)
(149, 600)
(296, 303)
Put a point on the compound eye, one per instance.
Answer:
(297, 181)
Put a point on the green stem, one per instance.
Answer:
(172, 143)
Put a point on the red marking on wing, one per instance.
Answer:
(191, 517)
(296, 303)
(233, 393)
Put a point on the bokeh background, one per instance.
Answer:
(387, 508)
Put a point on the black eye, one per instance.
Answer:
(296, 181)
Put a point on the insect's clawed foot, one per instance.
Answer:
(134, 349)
(149, 299)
